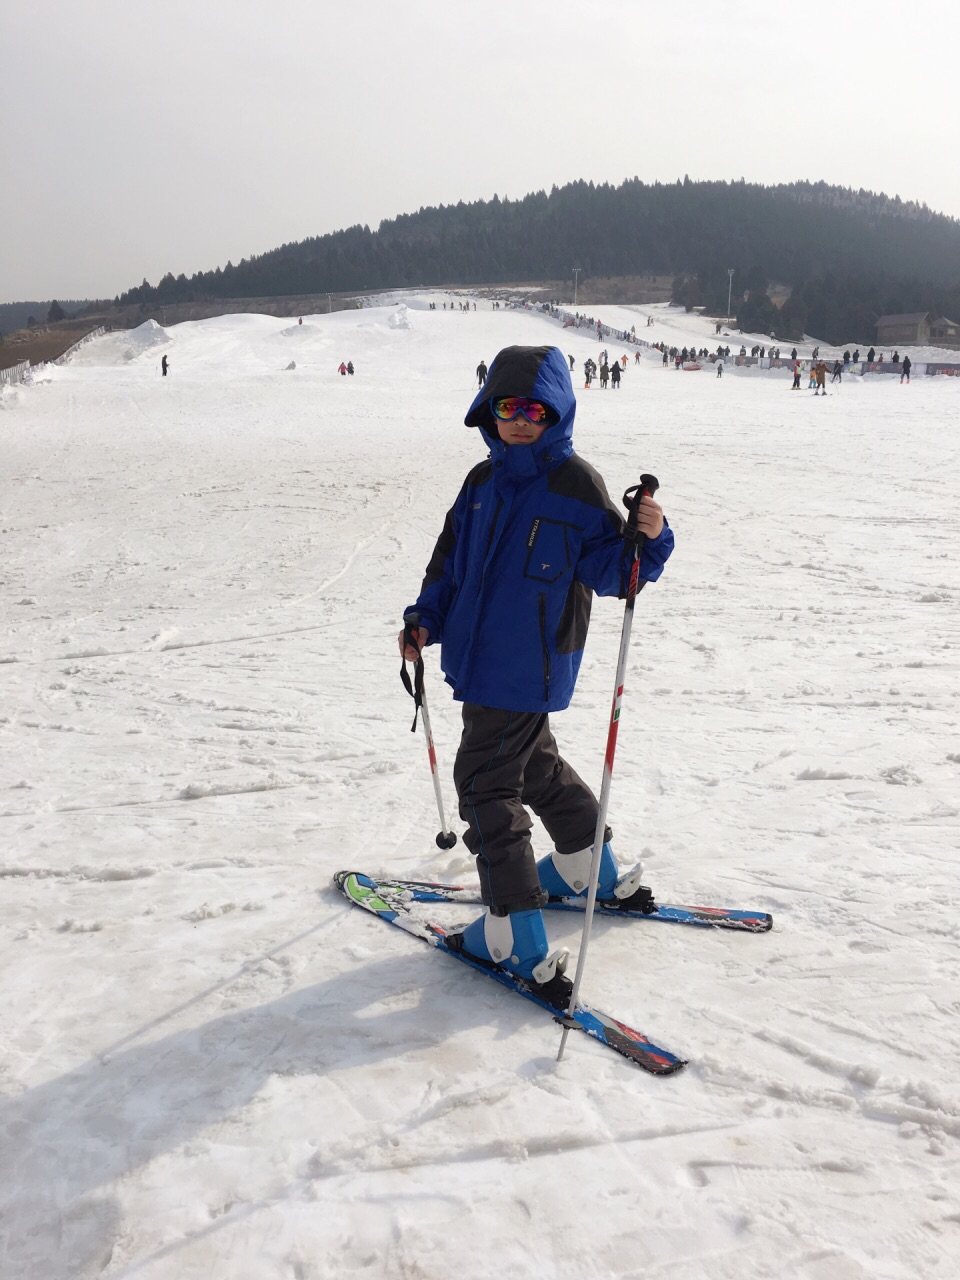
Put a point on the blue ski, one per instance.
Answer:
(715, 917)
(391, 902)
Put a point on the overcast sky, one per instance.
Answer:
(142, 137)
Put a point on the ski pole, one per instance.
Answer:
(632, 498)
(446, 838)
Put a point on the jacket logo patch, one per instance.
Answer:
(475, 506)
(533, 532)
(544, 566)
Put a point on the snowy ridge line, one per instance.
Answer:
(193, 791)
(167, 647)
(111, 873)
(100, 874)
(920, 1104)
(382, 1152)
(857, 1033)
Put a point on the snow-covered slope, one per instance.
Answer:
(212, 1067)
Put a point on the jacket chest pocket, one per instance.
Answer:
(548, 550)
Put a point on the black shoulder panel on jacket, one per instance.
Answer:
(577, 479)
(479, 474)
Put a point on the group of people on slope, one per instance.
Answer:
(346, 369)
(609, 372)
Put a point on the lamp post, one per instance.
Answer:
(576, 273)
(729, 290)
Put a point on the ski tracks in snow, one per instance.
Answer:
(211, 1060)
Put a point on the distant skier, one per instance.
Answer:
(837, 372)
(570, 358)
(796, 375)
(350, 368)
(481, 374)
(163, 365)
(342, 370)
(615, 375)
(905, 369)
(719, 367)
(820, 370)
(870, 355)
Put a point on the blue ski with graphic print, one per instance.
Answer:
(391, 902)
(745, 920)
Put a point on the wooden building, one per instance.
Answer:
(918, 329)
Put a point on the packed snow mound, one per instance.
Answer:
(400, 318)
(299, 331)
(38, 373)
(147, 335)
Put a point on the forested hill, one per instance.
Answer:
(794, 234)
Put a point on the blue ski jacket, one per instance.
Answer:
(532, 535)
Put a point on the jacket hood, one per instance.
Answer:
(539, 373)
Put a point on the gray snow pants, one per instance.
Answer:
(508, 760)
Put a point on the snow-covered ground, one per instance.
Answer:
(211, 1066)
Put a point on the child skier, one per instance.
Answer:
(507, 594)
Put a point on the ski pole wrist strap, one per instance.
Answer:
(414, 687)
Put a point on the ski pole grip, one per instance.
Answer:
(409, 639)
(413, 687)
(633, 496)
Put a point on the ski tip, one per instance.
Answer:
(340, 879)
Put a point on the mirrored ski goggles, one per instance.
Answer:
(509, 407)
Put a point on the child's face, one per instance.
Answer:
(520, 431)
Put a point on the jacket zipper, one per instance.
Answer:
(545, 647)
(493, 529)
